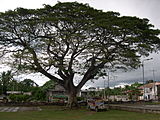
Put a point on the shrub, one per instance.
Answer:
(19, 98)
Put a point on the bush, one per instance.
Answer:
(39, 95)
(19, 98)
(80, 98)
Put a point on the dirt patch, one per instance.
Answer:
(29, 109)
(90, 112)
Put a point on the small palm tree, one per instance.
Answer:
(5, 79)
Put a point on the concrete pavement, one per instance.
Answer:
(18, 109)
(137, 108)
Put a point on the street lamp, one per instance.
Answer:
(143, 76)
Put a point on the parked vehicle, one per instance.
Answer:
(96, 104)
(82, 103)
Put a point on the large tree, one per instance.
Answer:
(73, 39)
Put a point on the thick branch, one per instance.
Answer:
(90, 74)
(41, 70)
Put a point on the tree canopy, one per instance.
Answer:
(71, 39)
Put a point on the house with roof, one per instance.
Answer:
(150, 91)
(90, 92)
(58, 92)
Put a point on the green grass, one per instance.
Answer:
(152, 103)
(59, 113)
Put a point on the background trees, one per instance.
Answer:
(132, 91)
(5, 81)
(27, 85)
(8, 83)
(40, 93)
(73, 39)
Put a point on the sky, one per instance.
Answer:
(141, 8)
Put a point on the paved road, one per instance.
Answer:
(18, 109)
(138, 108)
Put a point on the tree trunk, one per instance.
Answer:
(4, 90)
(72, 99)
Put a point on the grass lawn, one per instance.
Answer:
(58, 113)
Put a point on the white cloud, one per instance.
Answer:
(122, 85)
(36, 77)
(4, 68)
(13, 4)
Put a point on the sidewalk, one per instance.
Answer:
(137, 108)
(19, 109)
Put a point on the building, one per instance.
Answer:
(150, 91)
(19, 93)
(57, 92)
(124, 98)
(90, 92)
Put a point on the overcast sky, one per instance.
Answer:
(142, 8)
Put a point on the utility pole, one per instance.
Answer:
(108, 90)
(154, 81)
(143, 76)
(153, 74)
(108, 87)
(104, 93)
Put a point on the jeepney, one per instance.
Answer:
(96, 104)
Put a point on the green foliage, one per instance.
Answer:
(19, 98)
(7, 83)
(149, 81)
(5, 80)
(73, 30)
(80, 98)
(116, 91)
(27, 85)
(48, 85)
(39, 94)
(131, 90)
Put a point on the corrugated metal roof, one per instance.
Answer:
(149, 85)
